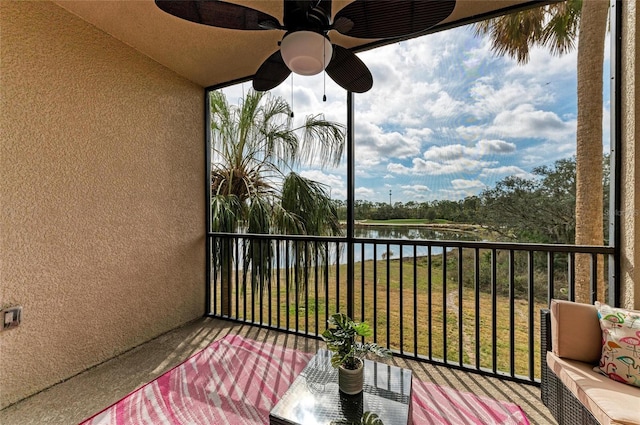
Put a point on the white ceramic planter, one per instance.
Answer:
(351, 381)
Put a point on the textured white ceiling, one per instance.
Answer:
(212, 56)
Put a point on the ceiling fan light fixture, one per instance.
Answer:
(306, 52)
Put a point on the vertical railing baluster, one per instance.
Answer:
(253, 283)
(551, 278)
(214, 273)
(401, 297)
(362, 283)
(296, 281)
(415, 301)
(476, 260)
(315, 286)
(278, 287)
(532, 301)
(445, 355)
(338, 278)
(460, 314)
(287, 281)
(512, 306)
(326, 283)
(306, 287)
(269, 270)
(388, 305)
(494, 310)
(259, 275)
(571, 276)
(375, 292)
(244, 277)
(430, 297)
(593, 281)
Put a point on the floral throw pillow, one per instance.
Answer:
(620, 358)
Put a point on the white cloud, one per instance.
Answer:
(454, 159)
(483, 147)
(375, 146)
(454, 166)
(542, 67)
(492, 98)
(398, 168)
(524, 122)
(416, 187)
(506, 170)
(445, 106)
(462, 184)
(447, 153)
(419, 133)
(550, 151)
(364, 192)
(531, 158)
(404, 105)
(486, 147)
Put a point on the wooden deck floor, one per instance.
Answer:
(71, 401)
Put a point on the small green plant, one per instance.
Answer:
(368, 418)
(341, 340)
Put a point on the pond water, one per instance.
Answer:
(409, 232)
(382, 251)
(392, 251)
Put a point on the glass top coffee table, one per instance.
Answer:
(314, 399)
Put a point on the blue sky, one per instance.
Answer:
(446, 117)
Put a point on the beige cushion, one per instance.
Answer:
(609, 401)
(575, 331)
(621, 344)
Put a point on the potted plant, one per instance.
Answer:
(348, 353)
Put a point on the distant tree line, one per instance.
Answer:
(540, 209)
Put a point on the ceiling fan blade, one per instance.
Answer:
(219, 14)
(271, 73)
(349, 71)
(392, 18)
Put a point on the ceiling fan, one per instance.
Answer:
(305, 47)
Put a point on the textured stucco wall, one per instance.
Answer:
(101, 197)
(630, 199)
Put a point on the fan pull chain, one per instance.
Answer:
(324, 74)
(292, 95)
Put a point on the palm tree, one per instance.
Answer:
(557, 26)
(255, 148)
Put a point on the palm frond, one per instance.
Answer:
(259, 254)
(323, 141)
(309, 200)
(554, 26)
(561, 31)
(225, 212)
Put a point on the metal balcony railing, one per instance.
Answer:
(468, 305)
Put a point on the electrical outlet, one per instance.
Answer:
(11, 317)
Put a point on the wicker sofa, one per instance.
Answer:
(574, 393)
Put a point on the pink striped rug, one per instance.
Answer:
(238, 381)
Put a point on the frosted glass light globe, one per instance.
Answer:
(306, 52)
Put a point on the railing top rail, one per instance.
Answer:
(587, 249)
